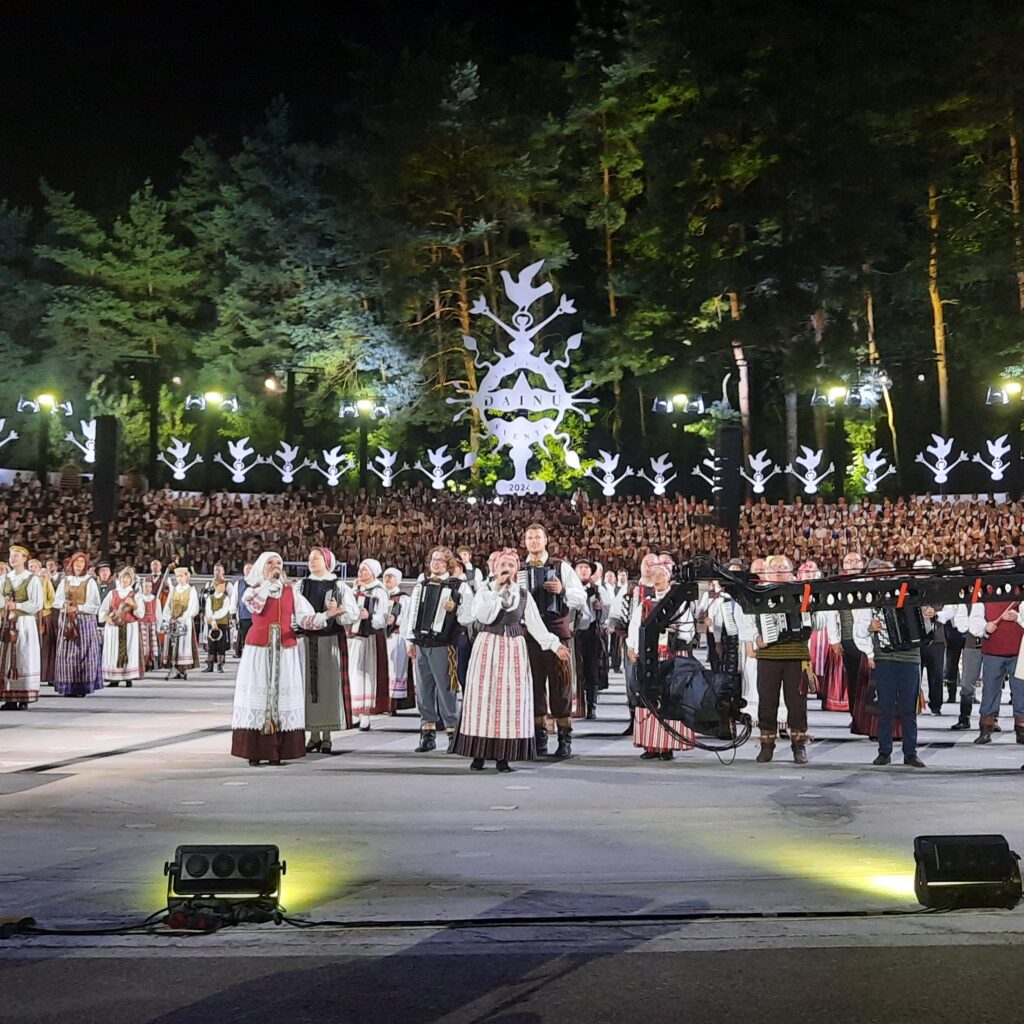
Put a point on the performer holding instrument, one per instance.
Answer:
(218, 610)
(79, 665)
(557, 592)
(19, 634)
(439, 604)
(122, 644)
(367, 646)
(181, 645)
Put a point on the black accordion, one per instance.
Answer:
(536, 577)
(435, 626)
(785, 628)
(903, 629)
(364, 627)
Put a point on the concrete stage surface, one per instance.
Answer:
(418, 856)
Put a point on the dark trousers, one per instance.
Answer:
(552, 684)
(933, 661)
(898, 684)
(463, 649)
(243, 628)
(774, 677)
(587, 653)
(615, 649)
(852, 657)
(955, 641)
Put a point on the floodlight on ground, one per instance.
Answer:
(954, 872)
(217, 870)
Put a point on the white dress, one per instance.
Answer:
(132, 658)
(25, 687)
(370, 694)
(398, 650)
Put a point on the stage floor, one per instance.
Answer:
(95, 795)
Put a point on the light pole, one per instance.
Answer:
(365, 410)
(1007, 395)
(207, 402)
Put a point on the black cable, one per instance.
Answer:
(122, 929)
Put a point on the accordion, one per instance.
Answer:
(536, 577)
(433, 624)
(779, 628)
(903, 629)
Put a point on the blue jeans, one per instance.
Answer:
(993, 670)
(898, 684)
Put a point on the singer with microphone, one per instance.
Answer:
(497, 708)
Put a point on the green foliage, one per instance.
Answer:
(860, 438)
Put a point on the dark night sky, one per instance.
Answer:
(97, 96)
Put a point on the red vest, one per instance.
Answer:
(279, 610)
(116, 601)
(1005, 641)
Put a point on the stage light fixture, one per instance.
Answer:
(662, 405)
(966, 871)
(818, 398)
(194, 401)
(997, 396)
(230, 403)
(235, 871)
(26, 404)
(1013, 388)
(348, 410)
(381, 412)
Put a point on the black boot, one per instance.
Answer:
(564, 748)
(428, 741)
(209, 667)
(963, 723)
(541, 734)
(451, 742)
(951, 690)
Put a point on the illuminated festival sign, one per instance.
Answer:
(758, 464)
(605, 473)
(387, 471)
(178, 451)
(939, 449)
(87, 445)
(335, 464)
(238, 468)
(873, 462)
(660, 468)
(11, 436)
(524, 383)
(810, 461)
(289, 464)
(997, 452)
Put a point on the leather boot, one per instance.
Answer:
(428, 741)
(985, 733)
(767, 751)
(564, 748)
(963, 723)
(540, 733)
(951, 690)
(451, 742)
(798, 742)
(1018, 728)
(209, 667)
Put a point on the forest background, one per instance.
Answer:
(800, 196)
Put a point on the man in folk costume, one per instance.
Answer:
(325, 661)
(19, 634)
(497, 710)
(367, 646)
(79, 667)
(588, 627)
(431, 645)
(780, 666)
(398, 656)
(268, 719)
(558, 595)
(648, 732)
(47, 622)
(217, 612)
(181, 646)
(122, 644)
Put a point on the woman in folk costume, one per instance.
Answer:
(148, 626)
(368, 671)
(122, 645)
(181, 645)
(47, 622)
(328, 700)
(79, 667)
(497, 707)
(268, 721)
(19, 634)
(402, 695)
(825, 671)
(648, 732)
(219, 607)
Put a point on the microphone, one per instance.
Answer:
(276, 576)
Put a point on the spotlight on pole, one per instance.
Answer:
(194, 401)
(381, 411)
(1013, 388)
(662, 405)
(997, 396)
(27, 405)
(272, 384)
(966, 871)
(364, 406)
(348, 410)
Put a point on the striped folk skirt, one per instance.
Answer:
(497, 707)
(78, 669)
(650, 734)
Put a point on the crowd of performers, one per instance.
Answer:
(528, 645)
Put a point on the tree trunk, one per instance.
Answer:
(470, 370)
(1015, 202)
(735, 311)
(938, 315)
(617, 408)
(890, 412)
(792, 438)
